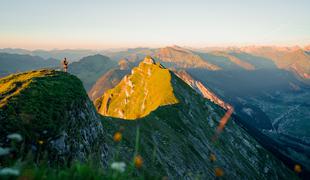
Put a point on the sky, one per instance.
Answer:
(105, 24)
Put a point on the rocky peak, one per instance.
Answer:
(148, 60)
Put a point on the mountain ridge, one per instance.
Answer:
(181, 138)
(52, 112)
(138, 90)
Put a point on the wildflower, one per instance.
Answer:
(9, 171)
(212, 158)
(117, 137)
(219, 172)
(138, 161)
(118, 166)
(297, 168)
(15, 136)
(4, 151)
(41, 142)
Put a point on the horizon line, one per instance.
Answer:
(162, 46)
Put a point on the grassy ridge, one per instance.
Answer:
(147, 88)
(34, 102)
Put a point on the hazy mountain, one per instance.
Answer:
(178, 57)
(71, 54)
(307, 48)
(293, 59)
(12, 63)
(177, 127)
(109, 80)
(172, 56)
(90, 68)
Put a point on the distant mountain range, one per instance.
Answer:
(71, 54)
(12, 63)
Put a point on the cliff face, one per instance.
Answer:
(201, 89)
(52, 112)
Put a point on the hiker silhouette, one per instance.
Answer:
(65, 63)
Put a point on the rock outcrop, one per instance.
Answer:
(201, 89)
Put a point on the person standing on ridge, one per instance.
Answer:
(65, 63)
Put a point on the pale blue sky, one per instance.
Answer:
(100, 24)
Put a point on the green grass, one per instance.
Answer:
(34, 103)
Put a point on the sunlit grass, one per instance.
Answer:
(147, 88)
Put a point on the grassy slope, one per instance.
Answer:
(139, 94)
(33, 102)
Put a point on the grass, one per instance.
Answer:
(147, 88)
(34, 102)
(26, 168)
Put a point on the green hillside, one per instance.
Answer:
(50, 108)
(148, 87)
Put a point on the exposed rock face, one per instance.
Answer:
(204, 91)
(52, 112)
(148, 60)
(83, 142)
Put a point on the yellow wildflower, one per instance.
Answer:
(212, 158)
(219, 172)
(41, 142)
(297, 168)
(117, 137)
(138, 161)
